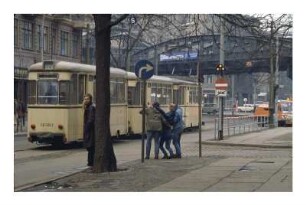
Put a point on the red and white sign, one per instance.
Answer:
(221, 84)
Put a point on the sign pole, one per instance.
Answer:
(143, 118)
(144, 70)
(220, 131)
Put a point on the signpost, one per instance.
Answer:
(144, 70)
(221, 86)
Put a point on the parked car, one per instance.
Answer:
(210, 108)
(246, 108)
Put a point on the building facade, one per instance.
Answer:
(43, 37)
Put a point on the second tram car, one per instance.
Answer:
(56, 90)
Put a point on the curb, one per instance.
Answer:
(20, 134)
(247, 145)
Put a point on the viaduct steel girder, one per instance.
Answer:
(231, 66)
(242, 55)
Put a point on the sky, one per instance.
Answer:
(157, 6)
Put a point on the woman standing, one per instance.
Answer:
(89, 128)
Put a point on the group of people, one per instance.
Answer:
(164, 127)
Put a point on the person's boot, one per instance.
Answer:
(165, 156)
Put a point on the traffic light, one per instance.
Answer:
(220, 68)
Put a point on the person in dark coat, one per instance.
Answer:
(166, 138)
(21, 111)
(89, 128)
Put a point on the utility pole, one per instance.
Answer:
(199, 90)
(199, 104)
(221, 99)
(272, 82)
(276, 80)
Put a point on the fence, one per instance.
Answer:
(241, 124)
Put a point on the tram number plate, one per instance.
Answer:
(46, 124)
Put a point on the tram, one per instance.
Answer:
(55, 96)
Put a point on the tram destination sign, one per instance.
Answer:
(144, 69)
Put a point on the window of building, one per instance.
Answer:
(44, 40)
(15, 32)
(209, 79)
(75, 39)
(27, 33)
(53, 41)
(64, 44)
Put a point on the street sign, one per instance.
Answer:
(144, 69)
(221, 93)
(221, 84)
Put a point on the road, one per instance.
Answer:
(35, 164)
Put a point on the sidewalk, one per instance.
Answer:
(210, 173)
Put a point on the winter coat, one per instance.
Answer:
(89, 126)
(153, 119)
(178, 123)
(175, 118)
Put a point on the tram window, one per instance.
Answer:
(63, 92)
(32, 92)
(179, 96)
(73, 89)
(161, 93)
(117, 91)
(121, 91)
(81, 88)
(168, 94)
(154, 93)
(47, 91)
(134, 95)
(193, 95)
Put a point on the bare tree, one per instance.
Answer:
(268, 29)
(105, 159)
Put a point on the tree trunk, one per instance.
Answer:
(105, 159)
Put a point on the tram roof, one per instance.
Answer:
(65, 66)
(157, 78)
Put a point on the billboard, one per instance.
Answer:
(178, 56)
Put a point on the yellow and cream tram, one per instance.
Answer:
(56, 90)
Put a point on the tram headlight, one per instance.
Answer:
(60, 126)
(33, 126)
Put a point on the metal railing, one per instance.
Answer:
(241, 124)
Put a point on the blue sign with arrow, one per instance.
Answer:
(144, 69)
